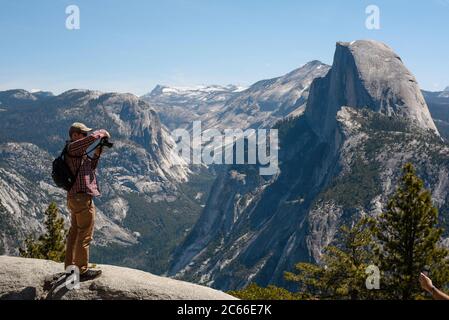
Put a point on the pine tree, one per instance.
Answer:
(51, 245)
(341, 273)
(255, 292)
(408, 240)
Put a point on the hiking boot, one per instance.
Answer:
(90, 275)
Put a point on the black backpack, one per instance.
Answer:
(61, 173)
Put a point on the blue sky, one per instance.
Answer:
(130, 46)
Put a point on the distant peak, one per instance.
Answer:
(19, 94)
(72, 91)
(17, 91)
(311, 67)
(158, 89)
(444, 93)
(198, 89)
(314, 63)
(76, 94)
(43, 94)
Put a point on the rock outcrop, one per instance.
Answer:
(33, 279)
(369, 74)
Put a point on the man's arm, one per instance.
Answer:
(427, 285)
(78, 148)
(439, 295)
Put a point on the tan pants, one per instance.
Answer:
(81, 230)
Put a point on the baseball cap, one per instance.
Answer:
(80, 126)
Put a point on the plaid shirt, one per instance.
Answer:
(86, 181)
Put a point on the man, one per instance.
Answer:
(80, 197)
(427, 285)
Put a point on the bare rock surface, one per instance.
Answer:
(32, 279)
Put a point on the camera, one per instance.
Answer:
(105, 143)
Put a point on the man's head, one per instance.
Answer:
(78, 131)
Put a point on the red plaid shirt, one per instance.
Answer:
(86, 181)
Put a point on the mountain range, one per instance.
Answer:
(234, 106)
(345, 130)
(260, 105)
(339, 160)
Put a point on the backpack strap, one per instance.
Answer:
(65, 152)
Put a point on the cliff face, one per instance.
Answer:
(366, 74)
(33, 279)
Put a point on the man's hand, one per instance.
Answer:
(425, 282)
(102, 133)
(427, 285)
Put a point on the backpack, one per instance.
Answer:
(61, 173)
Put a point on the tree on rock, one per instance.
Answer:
(408, 240)
(51, 245)
(255, 292)
(342, 271)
